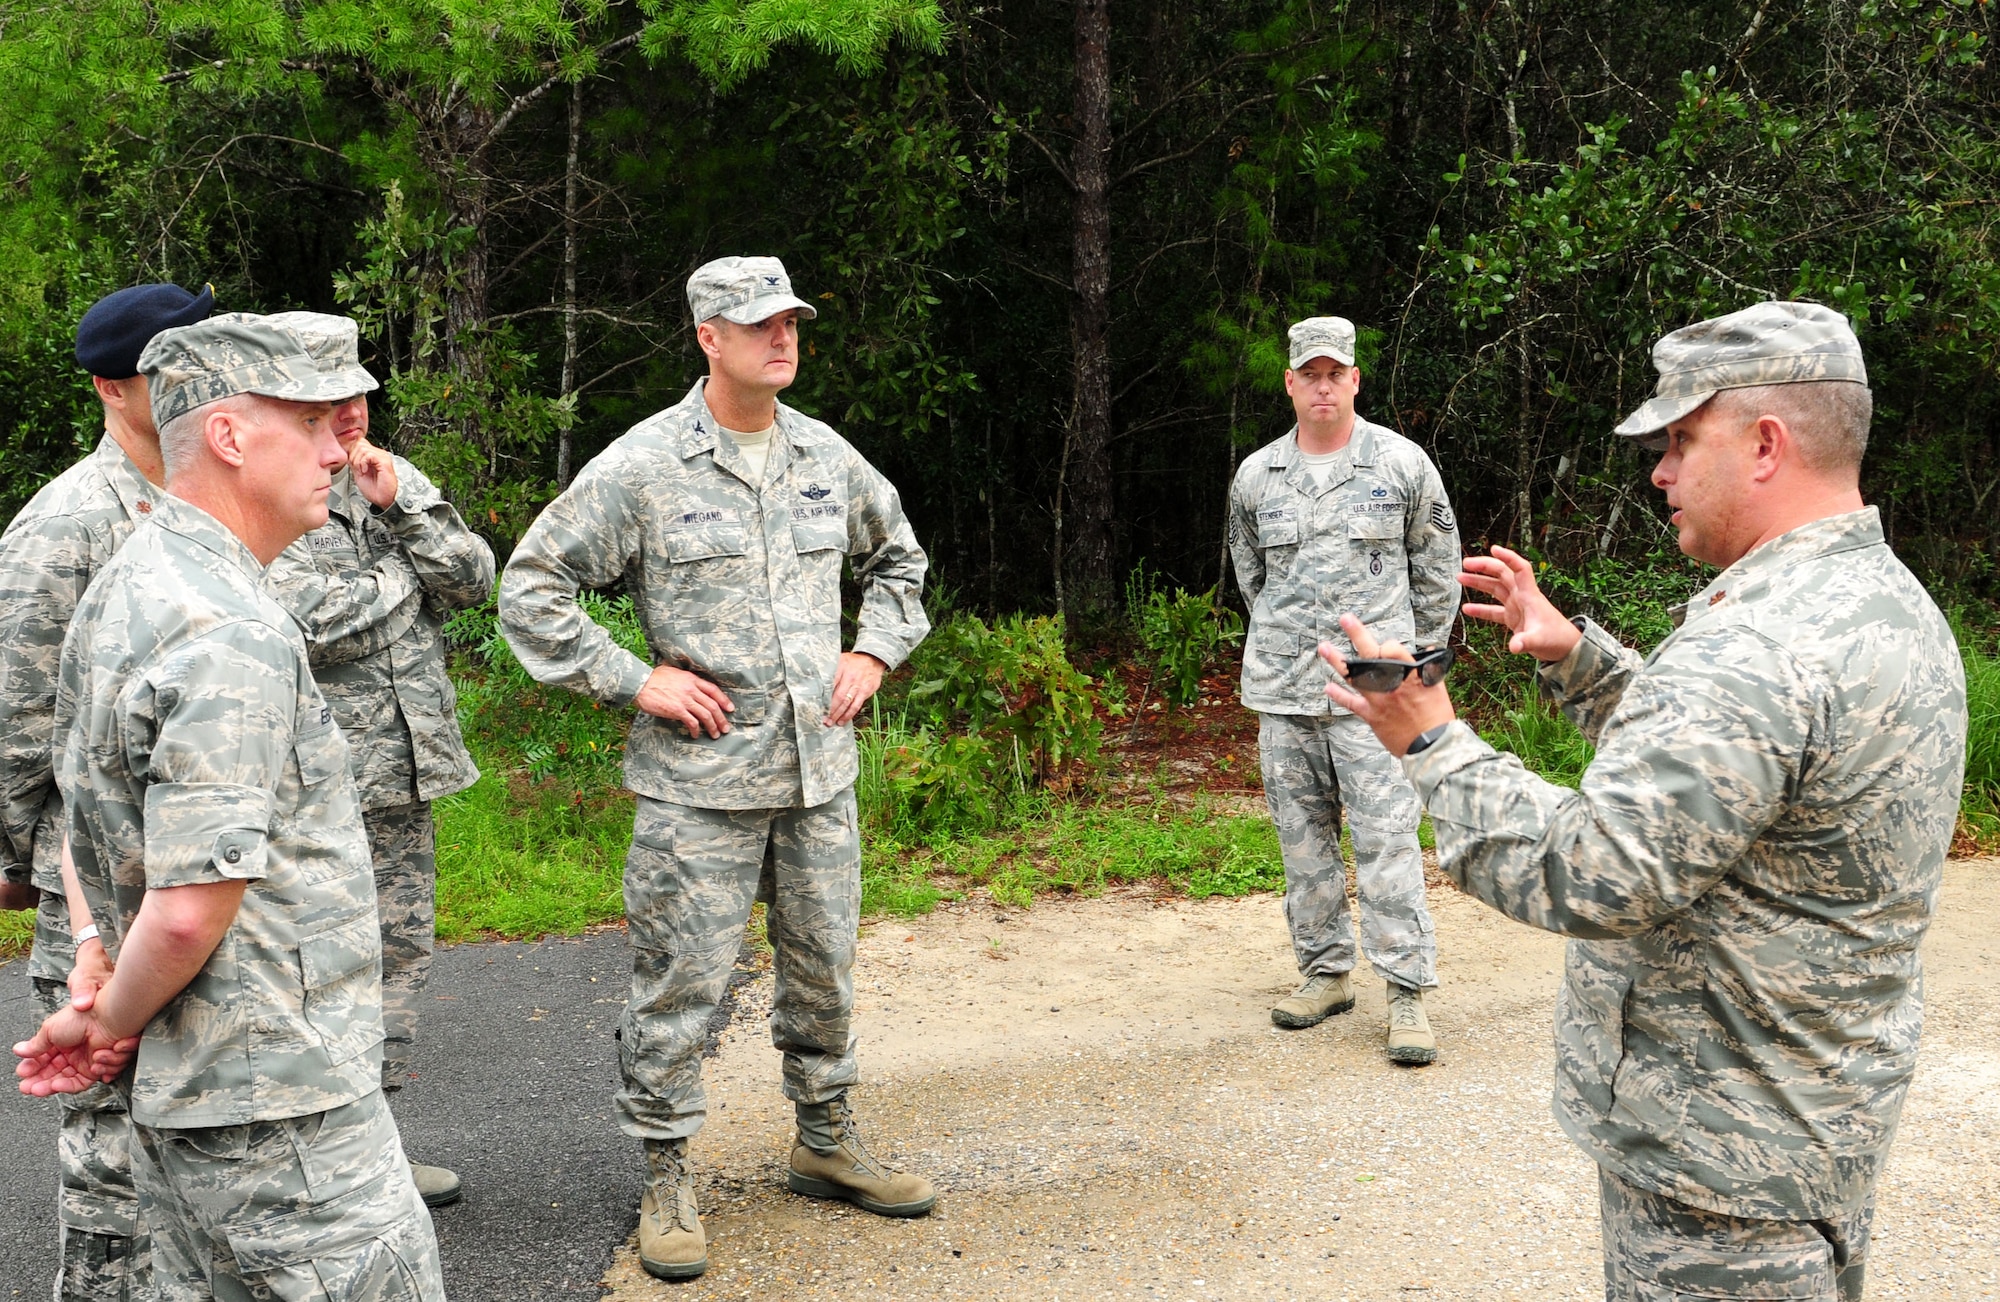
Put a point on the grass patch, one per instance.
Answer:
(522, 859)
(17, 932)
(1979, 807)
(1064, 846)
(1546, 742)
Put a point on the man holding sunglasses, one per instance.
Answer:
(1752, 860)
(1341, 514)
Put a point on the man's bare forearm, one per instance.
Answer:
(79, 905)
(177, 929)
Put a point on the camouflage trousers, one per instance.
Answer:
(403, 842)
(1314, 768)
(319, 1208)
(690, 880)
(104, 1251)
(1660, 1250)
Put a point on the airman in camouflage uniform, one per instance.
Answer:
(370, 588)
(1752, 859)
(215, 831)
(66, 533)
(731, 544)
(1341, 515)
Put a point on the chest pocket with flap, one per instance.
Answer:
(703, 533)
(819, 535)
(1278, 524)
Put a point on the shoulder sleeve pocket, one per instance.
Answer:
(321, 755)
(328, 956)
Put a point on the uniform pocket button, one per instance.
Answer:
(233, 855)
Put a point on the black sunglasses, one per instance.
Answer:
(1387, 675)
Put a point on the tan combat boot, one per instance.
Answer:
(1410, 1040)
(671, 1242)
(1312, 1003)
(830, 1161)
(437, 1186)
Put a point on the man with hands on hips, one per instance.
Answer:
(1751, 861)
(728, 518)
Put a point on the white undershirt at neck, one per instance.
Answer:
(756, 450)
(1320, 464)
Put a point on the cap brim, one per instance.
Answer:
(1655, 414)
(328, 386)
(763, 309)
(1300, 359)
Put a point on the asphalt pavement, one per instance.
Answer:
(515, 1068)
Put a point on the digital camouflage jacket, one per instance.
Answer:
(371, 589)
(738, 582)
(1378, 541)
(195, 747)
(1747, 871)
(61, 538)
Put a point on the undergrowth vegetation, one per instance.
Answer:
(986, 764)
(983, 764)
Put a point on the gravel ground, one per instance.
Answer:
(1097, 1089)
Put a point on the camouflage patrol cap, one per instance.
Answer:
(335, 345)
(744, 290)
(1322, 336)
(194, 365)
(1771, 343)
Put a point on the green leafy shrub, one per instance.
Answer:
(546, 732)
(1012, 682)
(918, 785)
(1182, 634)
(1634, 600)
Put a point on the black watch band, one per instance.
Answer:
(1426, 738)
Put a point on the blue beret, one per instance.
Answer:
(118, 326)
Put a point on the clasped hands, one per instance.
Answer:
(1399, 717)
(73, 1051)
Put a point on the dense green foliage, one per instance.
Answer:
(1512, 200)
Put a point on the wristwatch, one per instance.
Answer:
(1426, 737)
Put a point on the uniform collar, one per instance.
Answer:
(340, 497)
(696, 426)
(204, 530)
(134, 491)
(1829, 536)
(1361, 446)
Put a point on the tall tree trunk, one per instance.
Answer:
(467, 289)
(563, 444)
(1524, 450)
(1087, 478)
